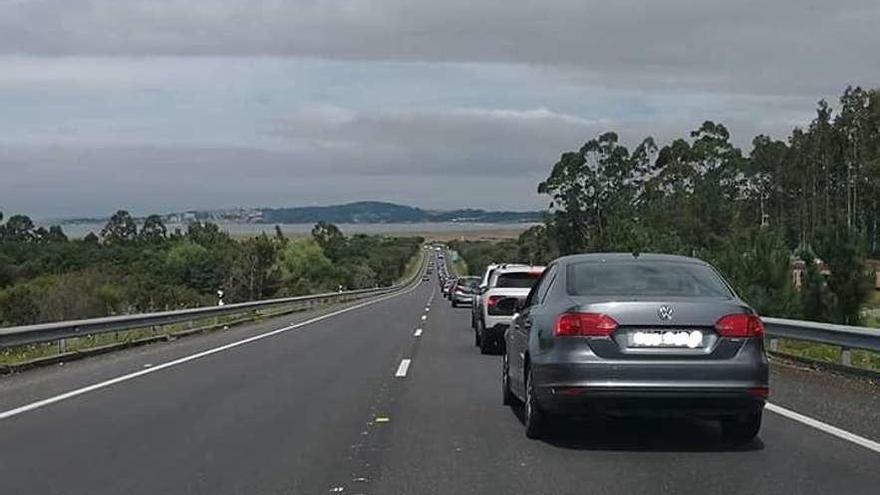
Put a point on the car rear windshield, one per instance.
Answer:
(470, 282)
(645, 278)
(519, 280)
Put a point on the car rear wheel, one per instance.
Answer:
(742, 429)
(507, 395)
(485, 343)
(535, 418)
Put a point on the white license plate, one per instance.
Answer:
(690, 339)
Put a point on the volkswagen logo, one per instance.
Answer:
(665, 312)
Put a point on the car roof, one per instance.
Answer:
(518, 269)
(634, 257)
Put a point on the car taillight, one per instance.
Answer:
(492, 301)
(740, 325)
(760, 392)
(584, 325)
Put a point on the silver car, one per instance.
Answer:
(629, 334)
(463, 291)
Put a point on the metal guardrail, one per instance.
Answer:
(49, 332)
(843, 336)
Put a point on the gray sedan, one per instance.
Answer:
(629, 334)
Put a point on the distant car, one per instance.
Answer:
(463, 291)
(622, 334)
(447, 287)
(506, 281)
(425, 278)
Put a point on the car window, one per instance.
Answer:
(645, 278)
(541, 286)
(519, 280)
(545, 289)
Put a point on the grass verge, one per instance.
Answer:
(25, 356)
(829, 354)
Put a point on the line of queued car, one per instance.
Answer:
(619, 334)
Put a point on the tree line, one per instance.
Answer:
(814, 198)
(130, 267)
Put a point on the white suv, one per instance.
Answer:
(485, 284)
(505, 281)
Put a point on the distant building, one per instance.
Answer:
(798, 272)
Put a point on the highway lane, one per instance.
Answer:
(51, 380)
(284, 414)
(320, 409)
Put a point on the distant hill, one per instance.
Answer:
(381, 212)
(358, 212)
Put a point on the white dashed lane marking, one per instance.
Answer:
(402, 369)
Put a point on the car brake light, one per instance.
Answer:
(492, 301)
(760, 392)
(584, 325)
(740, 325)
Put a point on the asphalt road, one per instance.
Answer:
(319, 408)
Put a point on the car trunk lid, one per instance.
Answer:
(663, 328)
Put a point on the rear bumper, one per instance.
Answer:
(711, 387)
(617, 401)
(462, 299)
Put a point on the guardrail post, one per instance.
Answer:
(846, 356)
(774, 345)
(62, 346)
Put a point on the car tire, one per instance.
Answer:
(485, 348)
(454, 304)
(485, 344)
(534, 418)
(742, 429)
(476, 338)
(507, 396)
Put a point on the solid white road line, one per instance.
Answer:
(418, 332)
(424, 317)
(403, 368)
(819, 425)
(97, 386)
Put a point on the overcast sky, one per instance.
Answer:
(165, 105)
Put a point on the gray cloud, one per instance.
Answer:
(172, 104)
(779, 47)
(440, 158)
(65, 181)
